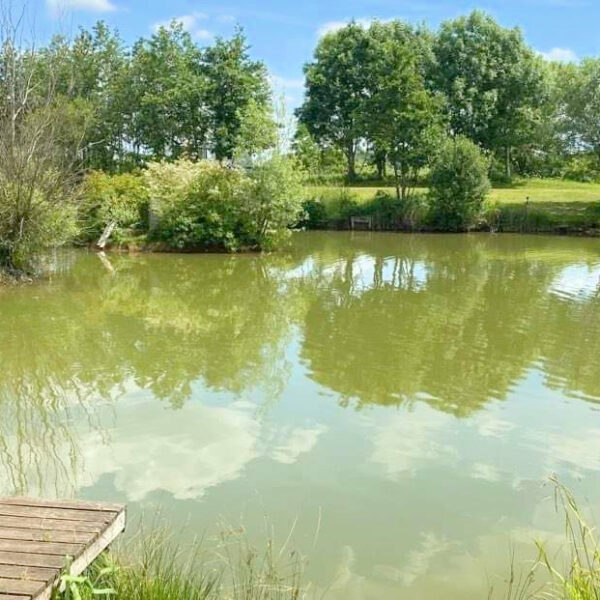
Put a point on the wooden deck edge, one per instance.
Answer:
(89, 555)
(70, 504)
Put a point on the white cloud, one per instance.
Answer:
(58, 6)
(196, 448)
(405, 443)
(299, 441)
(560, 55)
(332, 26)
(191, 24)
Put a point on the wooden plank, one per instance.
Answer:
(57, 548)
(29, 573)
(37, 536)
(73, 504)
(20, 586)
(62, 514)
(24, 559)
(46, 535)
(49, 524)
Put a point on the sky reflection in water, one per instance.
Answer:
(410, 393)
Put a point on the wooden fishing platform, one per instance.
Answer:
(41, 539)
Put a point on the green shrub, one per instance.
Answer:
(342, 205)
(584, 168)
(275, 202)
(208, 205)
(119, 198)
(392, 213)
(315, 214)
(458, 185)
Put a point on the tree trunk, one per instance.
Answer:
(397, 182)
(507, 163)
(380, 163)
(351, 155)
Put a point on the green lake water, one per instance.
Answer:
(398, 401)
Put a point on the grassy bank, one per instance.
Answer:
(153, 566)
(527, 206)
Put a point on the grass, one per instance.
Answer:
(154, 567)
(571, 574)
(531, 205)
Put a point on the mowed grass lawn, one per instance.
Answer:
(561, 198)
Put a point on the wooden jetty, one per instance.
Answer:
(41, 539)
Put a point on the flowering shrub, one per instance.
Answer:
(208, 205)
(119, 198)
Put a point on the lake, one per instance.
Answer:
(395, 403)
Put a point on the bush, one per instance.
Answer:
(207, 205)
(315, 214)
(584, 168)
(458, 185)
(396, 214)
(119, 198)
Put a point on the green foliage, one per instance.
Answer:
(577, 577)
(237, 91)
(458, 184)
(39, 153)
(163, 99)
(166, 90)
(257, 132)
(122, 199)
(206, 205)
(401, 116)
(494, 83)
(389, 213)
(580, 104)
(154, 567)
(336, 84)
(315, 214)
(584, 168)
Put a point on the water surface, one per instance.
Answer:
(401, 399)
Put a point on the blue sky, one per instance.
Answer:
(283, 33)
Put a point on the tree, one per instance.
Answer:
(400, 115)
(99, 65)
(257, 132)
(580, 101)
(40, 136)
(336, 90)
(494, 82)
(236, 89)
(458, 184)
(167, 90)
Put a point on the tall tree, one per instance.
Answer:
(237, 95)
(400, 114)
(100, 73)
(580, 102)
(167, 87)
(335, 91)
(493, 81)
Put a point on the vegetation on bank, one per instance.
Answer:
(153, 567)
(95, 134)
(188, 205)
(525, 206)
